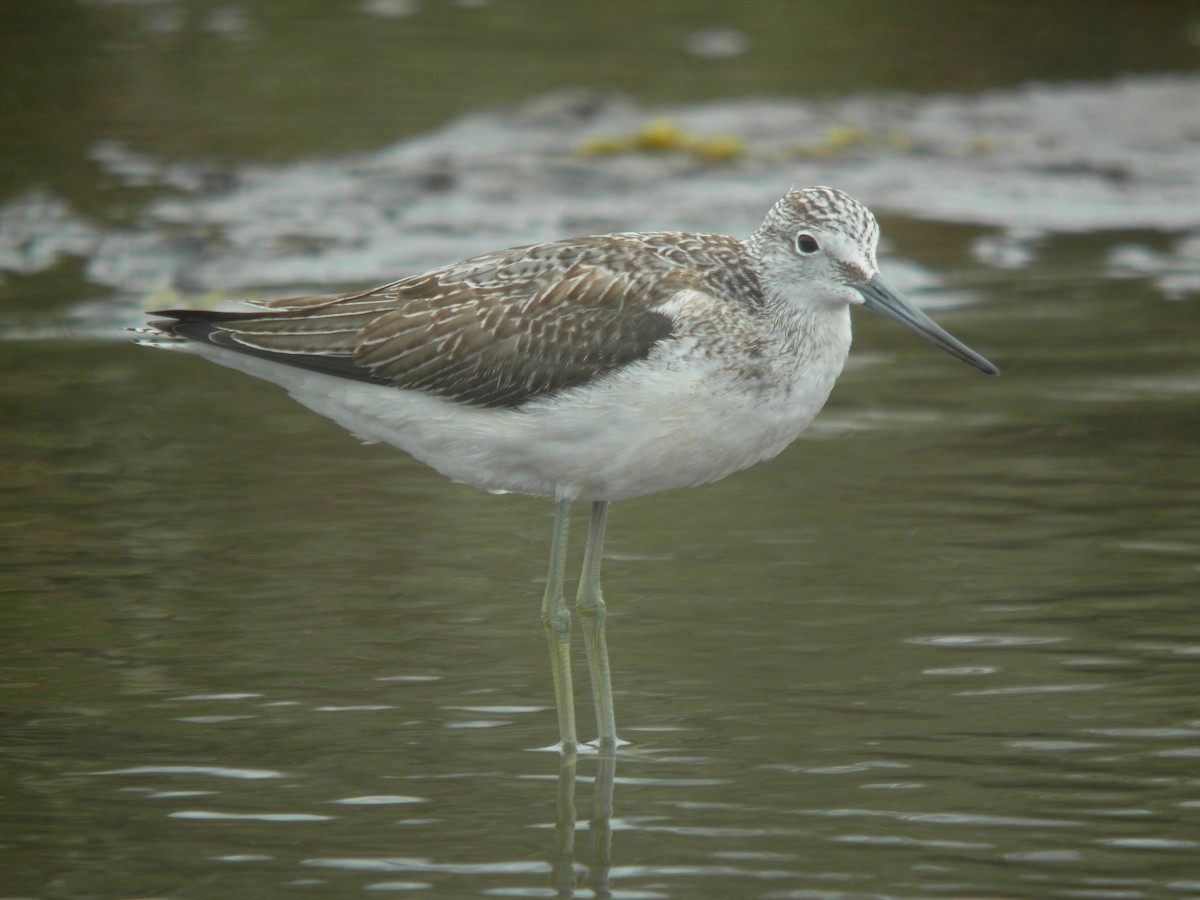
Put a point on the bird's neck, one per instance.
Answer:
(815, 333)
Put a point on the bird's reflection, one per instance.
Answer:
(600, 827)
(564, 829)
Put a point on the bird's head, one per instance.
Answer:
(816, 248)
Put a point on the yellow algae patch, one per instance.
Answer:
(663, 135)
(719, 148)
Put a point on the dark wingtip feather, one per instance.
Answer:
(204, 326)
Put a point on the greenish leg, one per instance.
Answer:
(556, 619)
(590, 605)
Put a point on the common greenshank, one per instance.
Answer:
(591, 368)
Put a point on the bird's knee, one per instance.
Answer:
(590, 605)
(557, 623)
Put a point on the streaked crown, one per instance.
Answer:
(824, 209)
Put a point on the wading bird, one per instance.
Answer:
(592, 368)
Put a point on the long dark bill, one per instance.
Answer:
(884, 299)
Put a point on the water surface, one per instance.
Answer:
(945, 645)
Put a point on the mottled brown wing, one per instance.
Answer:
(503, 345)
(495, 331)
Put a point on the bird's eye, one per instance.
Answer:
(806, 243)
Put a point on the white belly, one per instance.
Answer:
(649, 427)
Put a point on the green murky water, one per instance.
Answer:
(944, 646)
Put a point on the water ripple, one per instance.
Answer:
(214, 771)
(255, 817)
(416, 864)
(983, 640)
(1032, 689)
(943, 818)
(904, 840)
(398, 886)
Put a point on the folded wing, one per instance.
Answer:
(494, 331)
